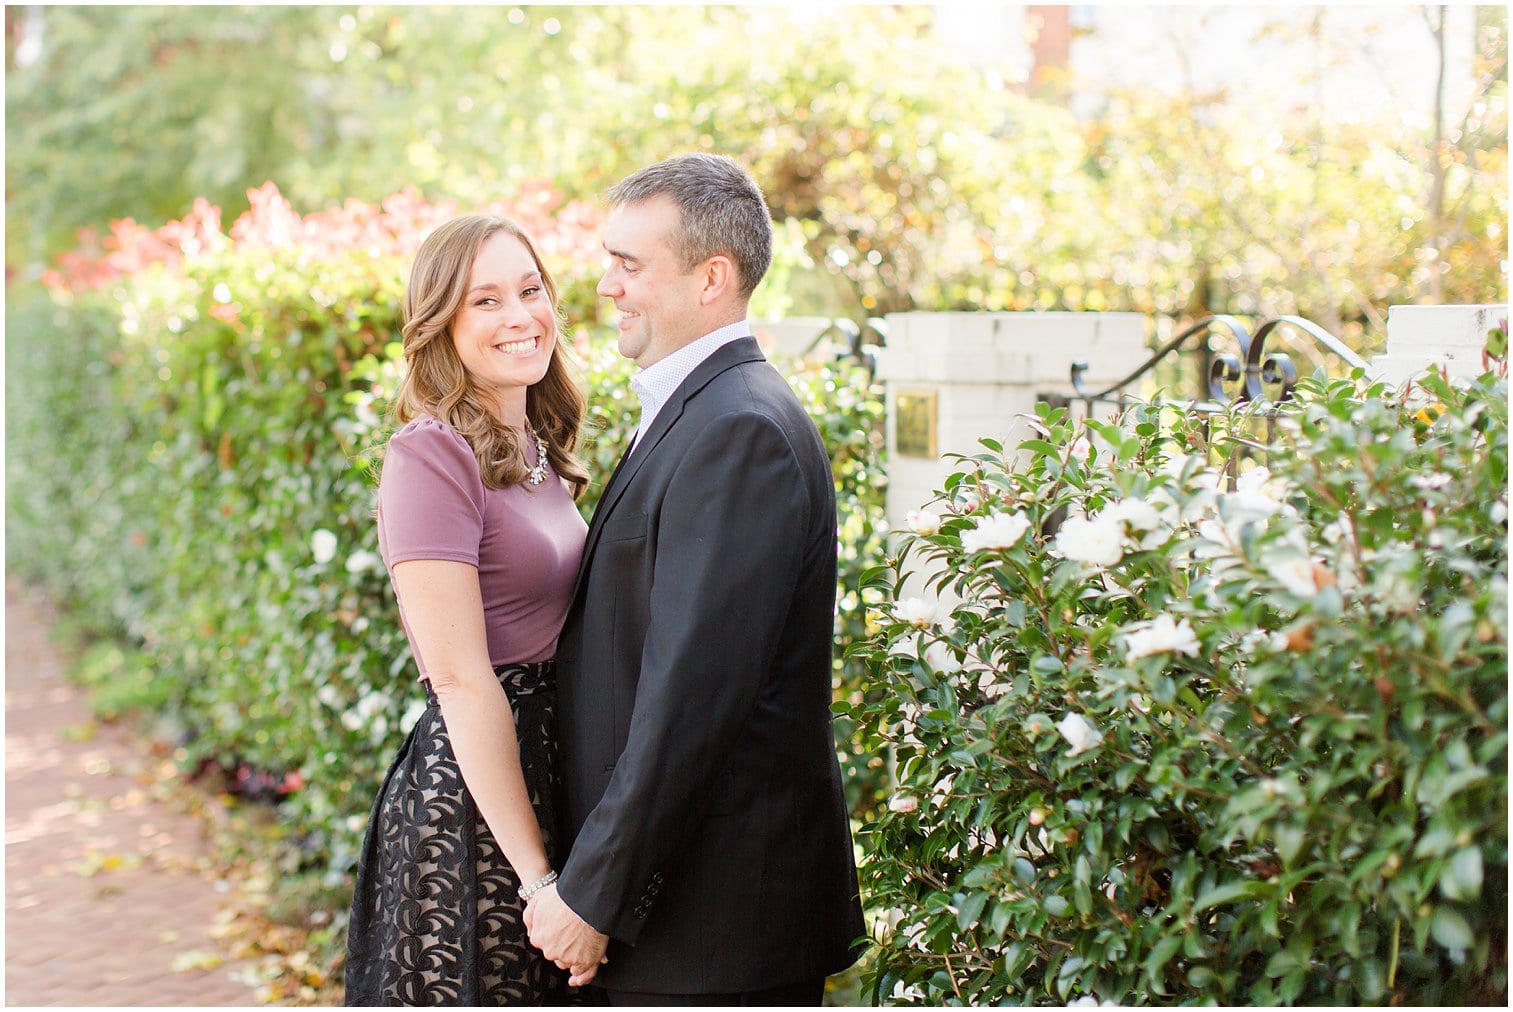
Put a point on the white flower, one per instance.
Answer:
(327, 694)
(1295, 573)
(1163, 635)
(323, 546)
(1258, 481)
(996, 530)
(1203, 476)
(366, 416)
(942, 658)
(1434, 480)
(1240, 506)
(915, 611)
(361, 561)
(1096, 542)
(903, 803)
(913, 991)
(1336, 530)
(1147, 526)
(905, 646)
(1080, 732)
(1201, 488)
(1260, 641)
(1498, 511)
(922, 522)
(1396, 591)
(1137, 513)
(1212, 530)
(966, 501)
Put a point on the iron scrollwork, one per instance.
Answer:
(1251, 366)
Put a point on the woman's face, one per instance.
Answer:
(506, 328)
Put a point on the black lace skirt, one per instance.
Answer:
(436, 916)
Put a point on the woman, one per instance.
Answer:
(477, 527)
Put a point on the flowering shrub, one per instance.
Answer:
(191, 415)
(1165, 735)
(185, 469)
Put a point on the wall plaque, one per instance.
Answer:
(914, 423)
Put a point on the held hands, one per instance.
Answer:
(564, 937)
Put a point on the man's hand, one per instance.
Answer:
(564, 937)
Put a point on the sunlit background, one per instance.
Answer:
(210, 212)
(1171, 160)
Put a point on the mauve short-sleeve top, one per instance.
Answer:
(525, 540)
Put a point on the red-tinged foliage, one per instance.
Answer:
(563, 231)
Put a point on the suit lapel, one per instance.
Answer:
(737, 352)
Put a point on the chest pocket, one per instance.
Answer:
(625, 527)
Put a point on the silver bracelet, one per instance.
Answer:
(527, 891)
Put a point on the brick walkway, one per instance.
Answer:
(109, 895)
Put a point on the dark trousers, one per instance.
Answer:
(805, 994)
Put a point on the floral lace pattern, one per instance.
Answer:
(436, 916)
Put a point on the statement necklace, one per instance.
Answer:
(537, 474)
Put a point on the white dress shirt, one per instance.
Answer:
(655, 384)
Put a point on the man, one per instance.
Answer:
(711, 849)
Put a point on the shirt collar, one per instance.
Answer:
(655, 384)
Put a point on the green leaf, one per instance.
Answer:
(1201, 977)
(1227, 893)
(1281, 963)
(1040, 447)
(970, 909)
(1435, 843)
(1289, 839)
(1161, 954)
(1462, 878)
(1450, 929)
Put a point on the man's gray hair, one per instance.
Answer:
(721, 211)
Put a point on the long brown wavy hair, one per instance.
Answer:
(436, 384)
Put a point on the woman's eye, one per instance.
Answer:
(533, 290)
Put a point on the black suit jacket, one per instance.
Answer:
(709, 831)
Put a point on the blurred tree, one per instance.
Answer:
(118, 112)
(903, 176)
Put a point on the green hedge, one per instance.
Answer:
(1168, 740)
(188, 469)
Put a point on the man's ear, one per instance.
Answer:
(720, 279)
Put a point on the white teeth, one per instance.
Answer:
(518, 347)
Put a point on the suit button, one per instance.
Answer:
(656, 876)
(640, 911)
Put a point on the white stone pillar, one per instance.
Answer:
(961, 376)
(1451, 337)
(796, 336)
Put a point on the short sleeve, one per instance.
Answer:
(430, 496)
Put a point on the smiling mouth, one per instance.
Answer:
(524, 347)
